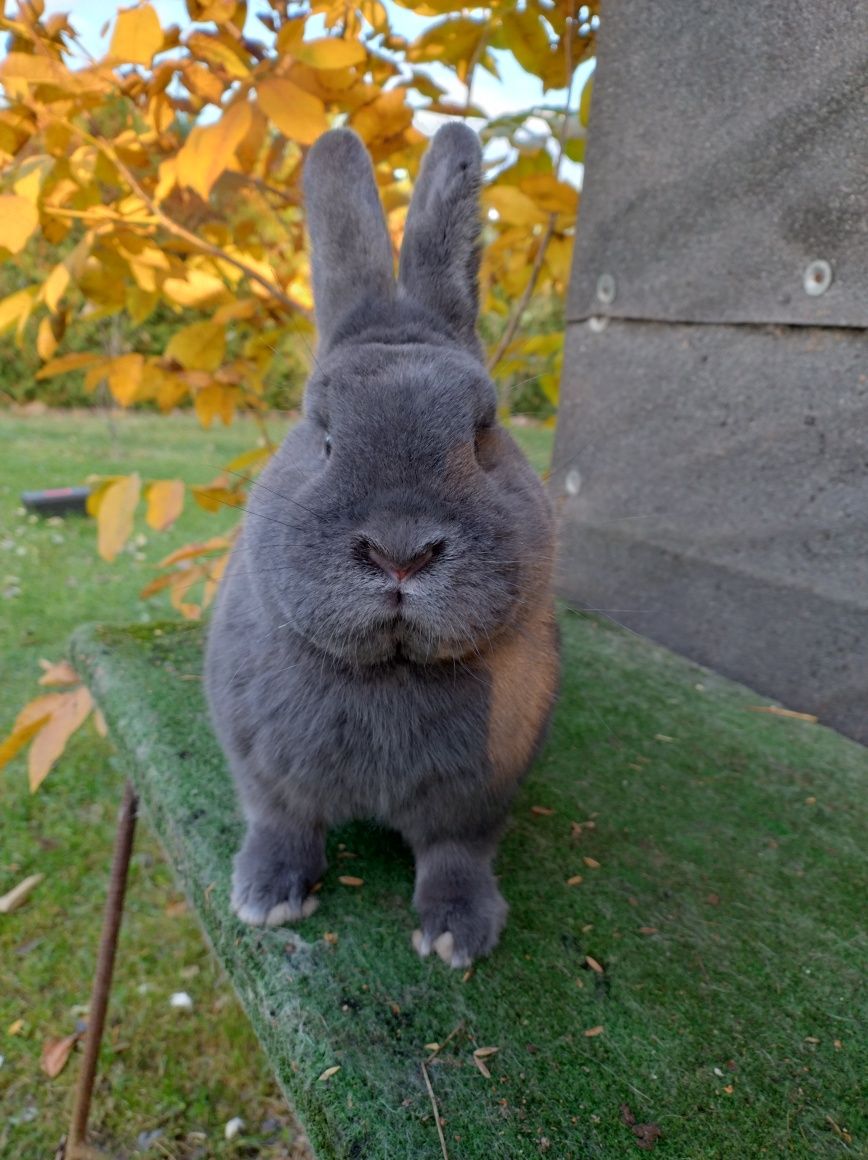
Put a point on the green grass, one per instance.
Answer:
(183, 1075)
(736, 836)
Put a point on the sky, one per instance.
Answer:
(516, 89)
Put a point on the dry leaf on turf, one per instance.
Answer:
(348, 880)
(329, 1072)
(482, 1068)
(591, 863)
(56, 1052)
(594, 965)
(575, 880)
(19, 894)
(542, 811)
(593, 1031)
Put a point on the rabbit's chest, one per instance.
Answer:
(369, 747)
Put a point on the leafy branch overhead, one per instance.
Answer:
(164, 179)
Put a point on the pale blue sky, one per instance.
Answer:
(515, 90)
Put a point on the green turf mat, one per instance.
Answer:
(714, 936)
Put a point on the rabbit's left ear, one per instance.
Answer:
(439, 264)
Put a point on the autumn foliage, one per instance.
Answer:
(166, 175)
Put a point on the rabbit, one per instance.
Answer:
(383, 645)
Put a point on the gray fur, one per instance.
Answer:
(333, 698)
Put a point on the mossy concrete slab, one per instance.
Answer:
(714, 935)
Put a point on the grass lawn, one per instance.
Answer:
(169, 1077)
(715, 937)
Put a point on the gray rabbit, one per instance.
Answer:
(383, 645)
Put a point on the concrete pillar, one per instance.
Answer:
(712, 445)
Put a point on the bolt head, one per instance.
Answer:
(573, 482)
(817, 278)
(606, 289)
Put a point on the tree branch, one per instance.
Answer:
(179, 231)
(516, 316)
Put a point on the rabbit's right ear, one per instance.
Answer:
(352, 254)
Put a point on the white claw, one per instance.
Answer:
(421, 944)
(460, 961)
(444, 945)
(252, 915)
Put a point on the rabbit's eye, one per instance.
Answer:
(327, 445)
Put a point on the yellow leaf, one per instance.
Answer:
(209, 48)
(46, 340)
(124, 377)
(67, 362)
(386, 116)
(215, 400)
(213, 498)
(512, 205)
(137, 35)
(550, 194)
(198, 347)
(165, 502)
(196, 289)
(330, 52)
(54, 286)
(527, 40)
(115, 515)
(250, 459)
(298, 115)
(19, 737)
(209, 150)
(70, 713)
(58, 673)
(190, 551)
(19, 218)
(16, 309)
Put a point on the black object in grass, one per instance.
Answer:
(57, 501)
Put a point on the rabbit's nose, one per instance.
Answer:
(403, 567)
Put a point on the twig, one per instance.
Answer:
(179, 231)
(440, 1046)
(516, 316)
(436, 1110)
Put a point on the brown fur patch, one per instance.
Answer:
(524, 678)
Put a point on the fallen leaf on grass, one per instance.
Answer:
(663, 737)
(593, 1031)
(349, 880)
(646, 1135)
(575, 880)
(56, 1052)
(331, 938)
(176, 908)
(595, 966)
(484, 1052)
(777, 711)
(19, 894)
(591, 863)
(647, 930)
(481, 1066)
(58, 673)
(542, 811)
(15, 1028)
(329, 1072)
(713, 899)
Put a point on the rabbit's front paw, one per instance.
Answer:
(461, 909)
(273, 876)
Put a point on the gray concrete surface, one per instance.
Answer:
(711, 461)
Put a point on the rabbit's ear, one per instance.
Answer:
(439, 265)
(352, 254)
